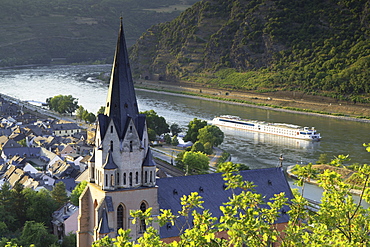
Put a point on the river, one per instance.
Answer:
(253, 149)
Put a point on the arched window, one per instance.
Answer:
(130, 179)
(120, 217)
(124, 178)
(137, 177)
(142, 221)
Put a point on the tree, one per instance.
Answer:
(174, 141)
(62, 104)
(193, 127)
(323, 159)
(59, 194)
(37, 234)
(18, 208)
(211, 134)
(80, 112)
(101, 110)
(167, 139)
(77, 191)
(85, 115)
(6, 209)
(197, 147)
(195, 162)
(90, 117)
(155, 122)
(237, 166)
(37, 200)
(151, 135)
(175, 129)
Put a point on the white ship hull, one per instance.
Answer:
(287, 130)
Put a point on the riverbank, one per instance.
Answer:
(294, 102)
(345, 173)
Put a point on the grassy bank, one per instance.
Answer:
(276, 101)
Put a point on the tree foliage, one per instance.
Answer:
(18, 207)
(193, 127)
(36, 233)
(83, 114)
(76, 192)
(59, 194)
(210, 136)
(195, 162)
(62, 104)
(156, 123)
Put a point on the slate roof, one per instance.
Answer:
(121, 99)
(65, 126)
(103, 224)
(269, 181)
(109, 163)
(149, 161)
(22, 151)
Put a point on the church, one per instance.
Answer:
(122, 171)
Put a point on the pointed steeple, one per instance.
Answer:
(121, 101)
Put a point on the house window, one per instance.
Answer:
(111, 146)
(111, 129)
(137, 177)
(130, 146)
(106, 180)
(130, 178)
(146, 176)
(111, 180)
(142, 221)
(120, 217)
(151, 176)
(124, 178)
(130, 128)
(117, 178)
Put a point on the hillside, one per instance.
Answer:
(312, 46)
(69, 31)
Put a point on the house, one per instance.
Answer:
(65, 220)
(65, 129)
(26, 152)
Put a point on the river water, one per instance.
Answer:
(253, 149)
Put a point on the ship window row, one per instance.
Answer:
(236, 122)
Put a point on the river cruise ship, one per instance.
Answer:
(281, 129)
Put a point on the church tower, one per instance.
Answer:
(122, 172)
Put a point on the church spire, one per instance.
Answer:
(121, 101)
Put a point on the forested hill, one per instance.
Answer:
(317, 46)
(67, 31)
